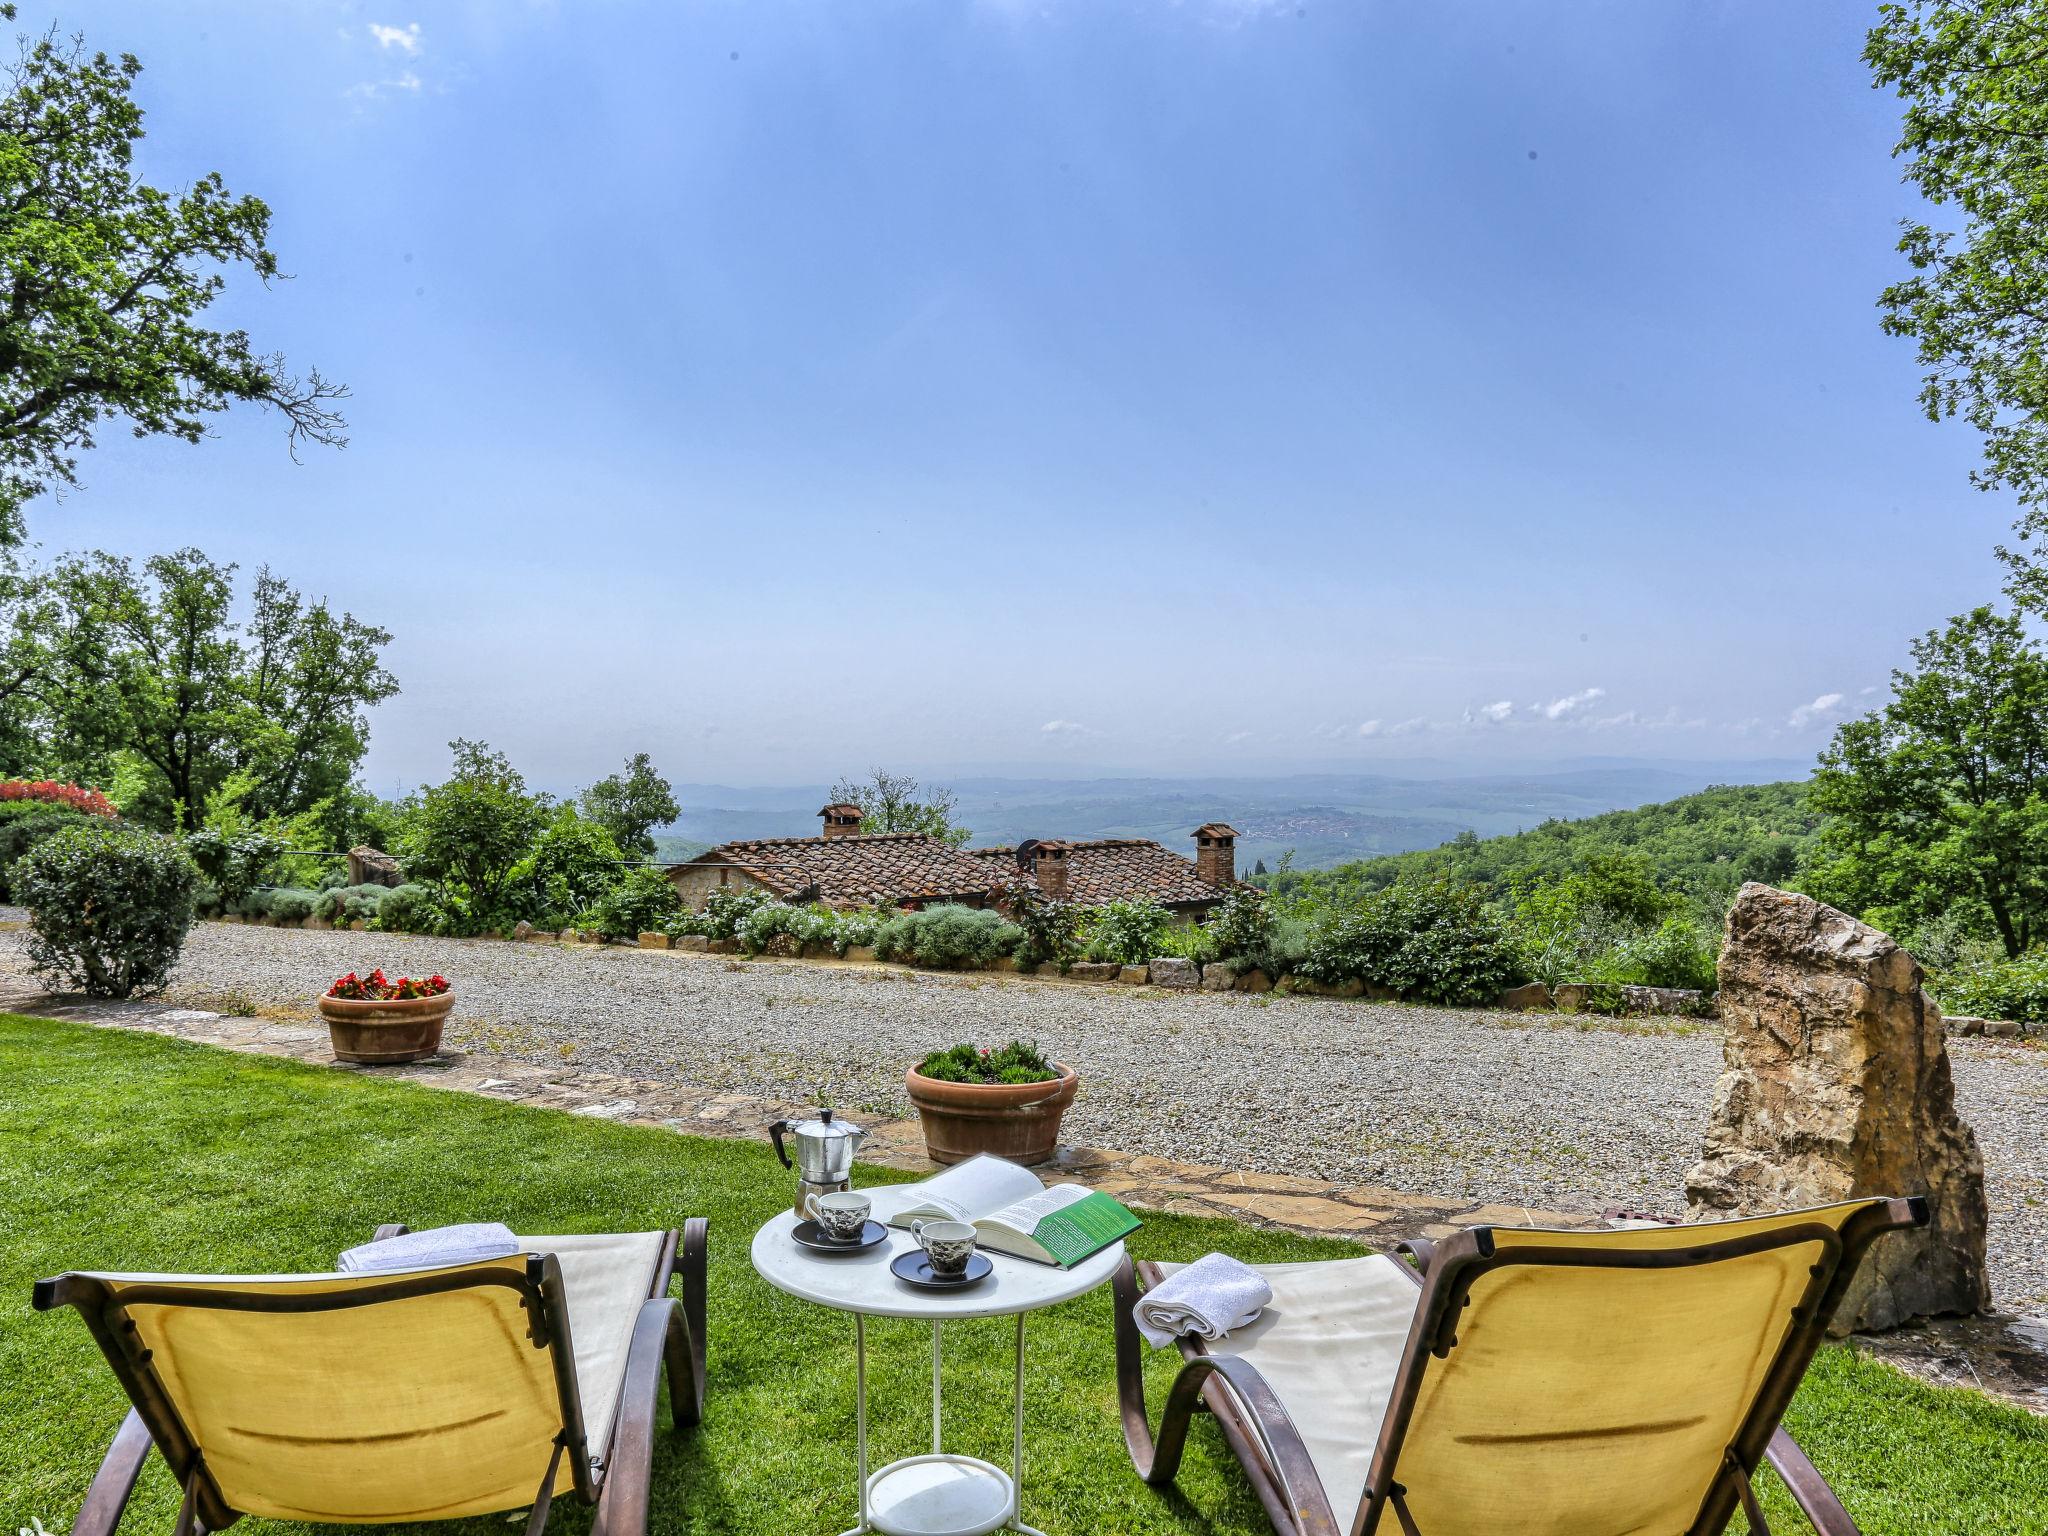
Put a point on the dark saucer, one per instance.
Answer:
(915, 1268)
(809, 1234)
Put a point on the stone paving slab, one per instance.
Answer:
(2005, 1357)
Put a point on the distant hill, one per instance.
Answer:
(1323, 819)
(1704, 845)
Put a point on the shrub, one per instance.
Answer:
(290, 903)
(469, 832)
(2000, 989)
(644, 901)
(351, 903)
(69, 797)
(1128, 932)
(1243, 927)
(948, 937)
(802, 925)
(572, 865)
(109, 906)
(724, 910)
(1052, 929)
(862, 926)
(23, 824)
(1188, 941)
(1018, 1062)
(1673, 954)
(1435, 942)
(235, 864)
(411, 908)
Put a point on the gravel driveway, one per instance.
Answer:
(1464, 1105)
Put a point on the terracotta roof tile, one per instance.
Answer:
(1116, 869)
(1215, 829)
(882, 866)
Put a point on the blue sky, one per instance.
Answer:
(1067, 386)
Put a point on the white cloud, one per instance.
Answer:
(1235, 737)
(1570, 704)
(406, 81)
(405, 39)
(1063, 728)
(1408, 727)
(1495, 713)
(1369, 728)
(1808, 714)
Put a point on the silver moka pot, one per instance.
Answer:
(824, 1153)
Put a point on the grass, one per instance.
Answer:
(123, 1150)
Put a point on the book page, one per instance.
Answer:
(1024, 1215)
(962, 1192)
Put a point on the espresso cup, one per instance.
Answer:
(843, 1214)
(948, 1244)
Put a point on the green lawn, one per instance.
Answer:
(127, 1151)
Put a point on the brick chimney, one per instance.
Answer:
(841, 819)
(1049, 868)
(1216, 853)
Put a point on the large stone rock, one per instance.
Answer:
(1530, 994)
(373, 866)
(1134, 975)
(1253, 980)
(1835, 1085)
(1172, 971)
(1218, 976)
(522, 930)
(1094, 970)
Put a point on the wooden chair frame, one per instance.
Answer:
(1265, 1441)
(668, 1334)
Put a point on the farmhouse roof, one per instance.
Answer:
(1119, 869)
(880, 866)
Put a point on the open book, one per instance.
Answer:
(1011, 1211)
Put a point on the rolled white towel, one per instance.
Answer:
(1211, 1297)
(431, 1249)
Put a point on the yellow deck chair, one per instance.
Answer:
(1518, 1380)
(421, 1394)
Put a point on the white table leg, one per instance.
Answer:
(1017, 1442)
(936, 1326)
(860, 1419)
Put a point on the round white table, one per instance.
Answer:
(940, 1494)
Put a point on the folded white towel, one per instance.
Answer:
(1211, 1297)
(431, 1249)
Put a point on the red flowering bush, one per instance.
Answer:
(70, 796)
(377, 988)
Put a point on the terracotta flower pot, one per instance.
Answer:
(394, 1029)
(1020, 1121)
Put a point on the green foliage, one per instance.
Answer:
(289, 903)
(572, 864)
(469, 832)
(1939, 801)
(1974, 80)
(725, 909)
(1128, 932)
(631, 804)
(1608, 922)
(158, 669)
(345, 904)
(1675, 953)
(109, 906)
(948, 937)
(1243, 926)
(1020, 1061)
(643, 900)
(1052, 929)
(895, 802)
(1433, 942)
(109, 277)
(23, 824)
(1187, 941)
(235, 861)
(1999, 989)
(410, 908)
(1700, 849)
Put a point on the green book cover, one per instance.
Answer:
(1074, 1232)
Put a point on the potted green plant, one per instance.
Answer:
(1008, 1101)
(372, 1019)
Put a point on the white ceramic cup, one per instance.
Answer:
(843, 1214)
(948, 1244)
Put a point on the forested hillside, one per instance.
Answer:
(1701, 846)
